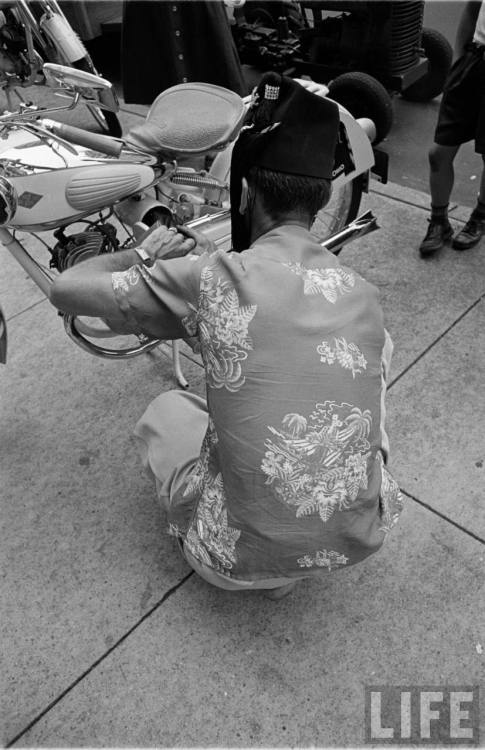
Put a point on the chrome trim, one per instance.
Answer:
(100, 351)
(209, 219)
(360, 226)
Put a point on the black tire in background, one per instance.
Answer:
(439, 53)
(364, 96)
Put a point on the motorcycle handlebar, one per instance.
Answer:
(103, 143)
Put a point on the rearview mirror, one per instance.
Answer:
(92, 88)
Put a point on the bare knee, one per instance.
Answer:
(441, 157)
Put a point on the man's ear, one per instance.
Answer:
(243, 206)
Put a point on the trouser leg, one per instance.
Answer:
(170, 434)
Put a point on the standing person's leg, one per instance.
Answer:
(441, 180)
(474, 229)
(457, 124)
(441, 175)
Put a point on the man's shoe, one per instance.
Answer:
(438, 233)
(470, 234)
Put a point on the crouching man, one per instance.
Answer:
(281, 473)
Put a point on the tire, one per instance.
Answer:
(364, 96)
(439, 53)
(342, 208)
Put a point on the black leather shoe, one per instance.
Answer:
(438, 233)
(470, 234)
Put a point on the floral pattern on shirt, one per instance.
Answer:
(222, 325)
(209, 531)
(319, 464)
(327, 281)
(210, 539)
(323, 559)
(124, 279)
(201, 471)
(173, 530)
(391, 499)
(347, 354)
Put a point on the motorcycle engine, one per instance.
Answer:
(74, 248)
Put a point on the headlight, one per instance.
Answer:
(8, 201)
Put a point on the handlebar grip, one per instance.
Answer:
(103, 143)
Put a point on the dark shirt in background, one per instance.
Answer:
(166, 43)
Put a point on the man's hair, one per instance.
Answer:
(283, 193)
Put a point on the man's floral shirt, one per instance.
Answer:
(291, 478)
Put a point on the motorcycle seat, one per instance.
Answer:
(189, 118)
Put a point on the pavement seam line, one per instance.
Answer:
(433, 343)
(443, 516)
(399, 200)
(409, 202)
(98, 661)
(30, 307)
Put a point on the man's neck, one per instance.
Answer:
(267, 224)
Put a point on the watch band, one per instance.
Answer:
(144, 257)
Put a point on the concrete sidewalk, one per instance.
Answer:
(110, 640)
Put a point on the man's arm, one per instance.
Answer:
(86, 288)
(466, 27)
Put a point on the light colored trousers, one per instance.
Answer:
(170, 434)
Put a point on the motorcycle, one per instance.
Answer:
(32, 33)
(96, 193)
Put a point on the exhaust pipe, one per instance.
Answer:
(363, 224)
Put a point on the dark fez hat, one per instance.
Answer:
(287, 129)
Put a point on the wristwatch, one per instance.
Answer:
(144, 257)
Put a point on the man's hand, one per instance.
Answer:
(202, 244)
(162, 243)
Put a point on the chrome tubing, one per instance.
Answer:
(363, 224)
(100, 351)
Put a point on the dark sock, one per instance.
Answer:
(439, 214)
(479, 209)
